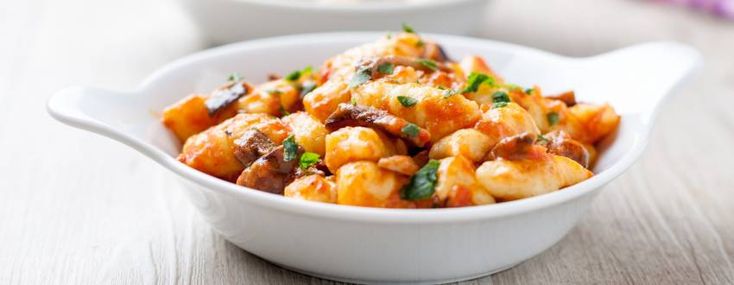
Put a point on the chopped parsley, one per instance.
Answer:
(499, 104)
(284, 112)
(449, 92)
(410, 130)
(553, 118)
(529, 91)
(307, 70)
(295, 75)
(420, 43)
(362, 75)
(308, 159)
(273, 91)
(500, 99)
(423, 183)
(475, 80)
(408, 29)
(512, 87)
(234, 77)
(353, 101)
(542, 139)
(290, 148)
(427, 63)
(307, 87)
(407, 101)
(386, 68)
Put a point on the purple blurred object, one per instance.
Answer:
(721, 8)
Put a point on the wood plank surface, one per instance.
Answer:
(76, 208)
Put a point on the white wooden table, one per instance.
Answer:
(76, 208)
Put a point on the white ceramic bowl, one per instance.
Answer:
(226, 21)
(388, 245)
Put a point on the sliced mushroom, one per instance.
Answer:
(518, 147)
(225, 96)
(271, 172)
(348, 115)
(568, 98)
(435, 52)
(252, 145)
(560, 143)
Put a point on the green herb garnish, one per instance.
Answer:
(449, 92)
(512, 87)
(295, 75)
(307, 87)
(234, 77)
(408, 29)
(273, 91)
(529, 91)
(410, 130)
(353, 101)
(553, 118)
(284, 112)
(386, 68)
(500, 99)
(499, 104)
(308, 159)
(362, 75)
(542, 139)
(407, 101)
(430, 64)
(307, 70)
(475, 80)
(423, 183)
(290, 148)
(420, 43)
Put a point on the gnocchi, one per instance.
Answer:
(392, 124)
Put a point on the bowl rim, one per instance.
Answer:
(347, 212)
(356, 8)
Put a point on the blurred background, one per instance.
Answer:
(78, 208)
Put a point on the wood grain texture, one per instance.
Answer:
(76, 208)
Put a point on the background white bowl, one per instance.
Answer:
(225, 21)
(388, 245)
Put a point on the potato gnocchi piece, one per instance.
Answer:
(212, 151)
(402, 164)
(598, 121)
(308, 132)
(191, 116)
(499, 123)
(364, 183)
(516, 179)
(457, 184)
(433, 110)
(584, 122)
(313, 187)
(469, 143)
(341, 67)
(324, 100)
(198, 112)
(274, 98)
(358, 143)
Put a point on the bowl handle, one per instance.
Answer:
(660, 67)
(117, 115)
(93, 109)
